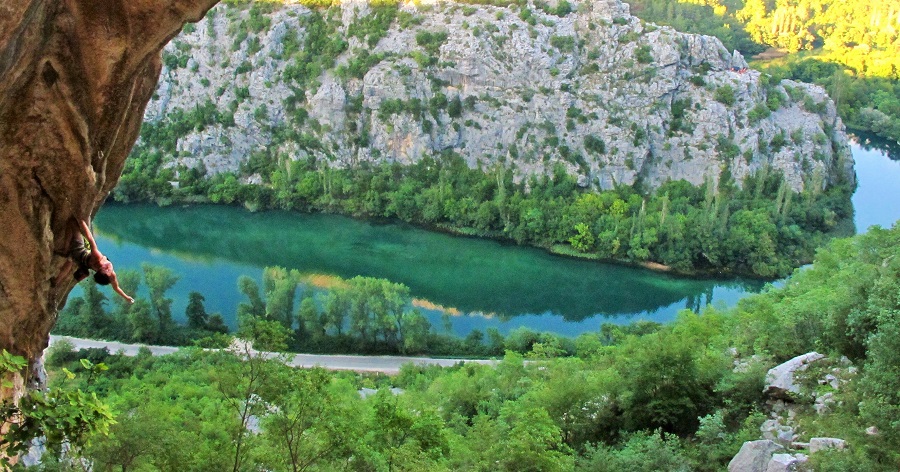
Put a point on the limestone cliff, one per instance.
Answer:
(585, 84)
(75, 77)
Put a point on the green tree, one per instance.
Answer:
(159, 280)
(583, 241)
(255, 307)
(401, 439)
(280, 286)
(312, 424)
(195, 312)
(245, 386)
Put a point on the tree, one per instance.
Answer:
(129, 281)
(94, 316)
(159, 280)
(143, 328)
(246, 385)
(256, 307)
(525, 439)
(583, 241)
(310, 425)
(666, 386)
(195, 312)
(401, 439)
(280, 287)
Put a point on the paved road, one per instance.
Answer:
(385, 364)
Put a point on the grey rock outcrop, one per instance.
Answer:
(780, 380)
(597, 91)
(775, 431)
(820, 444)
(823, 403)
(754, 456)
(786, 462)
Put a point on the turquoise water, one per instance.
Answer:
(477, 282)
(461, 283)
(875, 200)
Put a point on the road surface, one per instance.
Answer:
(385, 364)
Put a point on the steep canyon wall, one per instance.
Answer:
(530, 86)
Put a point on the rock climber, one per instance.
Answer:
(92, 259)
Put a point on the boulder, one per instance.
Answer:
(780, 382)
(775, 431)
(754, 456)
(823, 403)
(786, 462)
(820, 444)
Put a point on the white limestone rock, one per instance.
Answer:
(780, 382)
(820, 444)
(754, 456)
(522, 85)
(786, 462)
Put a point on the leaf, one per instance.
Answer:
(86, 364)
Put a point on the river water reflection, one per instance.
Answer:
(460, 283)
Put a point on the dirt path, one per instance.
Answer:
(385, 364)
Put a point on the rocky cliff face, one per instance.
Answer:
(75, 77)
(582, 84)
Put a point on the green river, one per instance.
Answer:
(460, 283)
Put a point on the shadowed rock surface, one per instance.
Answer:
(75, 77)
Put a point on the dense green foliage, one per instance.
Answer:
(148, 320)
(362, 315)
(847, 46)
(751, 25)
(65, 417)
(632, 398)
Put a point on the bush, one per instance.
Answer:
(725, 95)
(431, 42)
(643, 55)
(594, 144)
(759, 112)
(563, 43)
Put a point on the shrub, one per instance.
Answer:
(594, 144)
(563, 43)
(725, 95)
(759, 112)
(643, 54)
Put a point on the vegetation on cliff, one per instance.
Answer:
(846, 46)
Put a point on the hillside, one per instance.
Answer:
(614, 100)
(644, 397)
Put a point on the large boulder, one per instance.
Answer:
(820, 444)
(780, 380)
(754, 456)
(786, 462)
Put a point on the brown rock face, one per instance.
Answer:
(75, 76)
